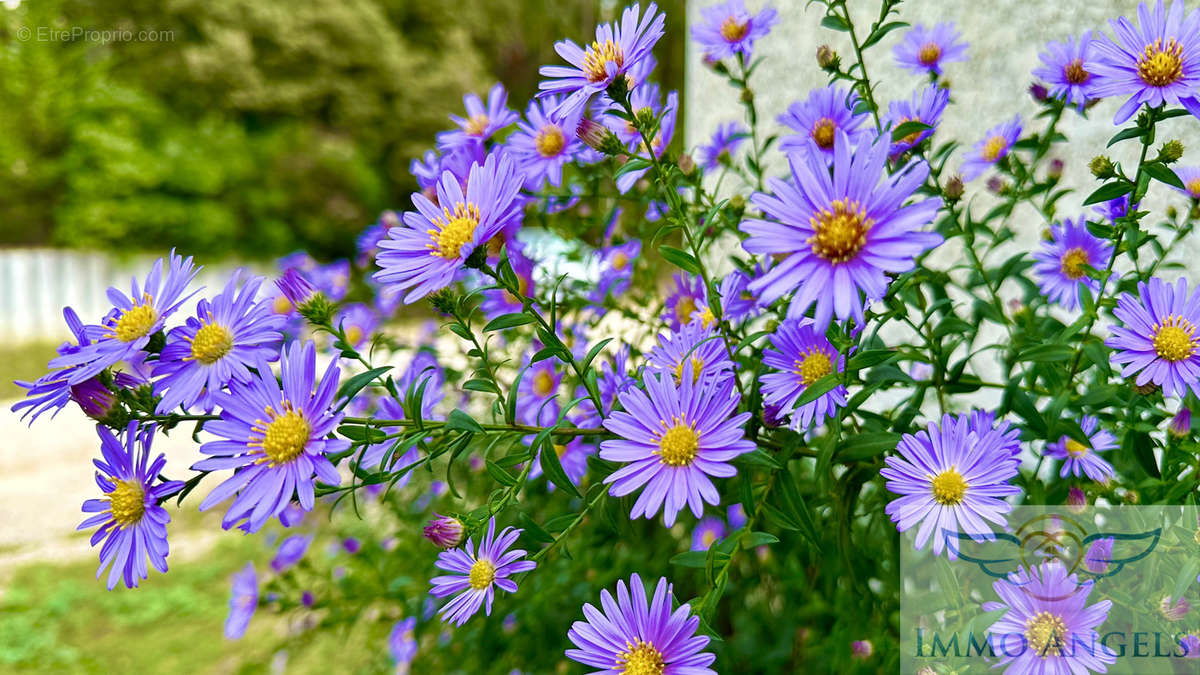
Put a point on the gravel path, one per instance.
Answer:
(46, 473)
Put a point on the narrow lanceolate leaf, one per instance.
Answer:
(1109, 191)
(507, 321)
(680, 258)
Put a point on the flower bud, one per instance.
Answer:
(737, 202)
(442, 301)
(307, 599)
(861, 649)
(444, 531)
(645, 118)
(686, 164)
(1055, 169)
(1174, 610)
(953, 189)
(1172, 212)
(1101, 167)
(827, 59)
(351, 545)
(747, 95)
(311, 303)
(95, 399)
(1038, 91)
(1181, 423)
(1170, 151)
(1076, 500)
(599, 137)
(995, 185)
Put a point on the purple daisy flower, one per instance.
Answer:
(127, 328)
(1048, 608)
(475, 574)
(616, 270)
(497, 302)
(1068, 68)
(1157, 340)
(707, 532)
(132, 524)
(1082, 458)
(724, 145)
(333, 279)
(951, 479)
(802, 356)
(737, 302)
(617, 50)
(481, 121)
(926, 105)
(1190, 177)
(359, 321)
(728, 28)
(544, 143)
(991, 149)
(425, 254)
(219, 345)
(1156, 65)
(274, 438)
(243, 600)
(982, 422)
(685, 299)
(736, 516)
(538, 400)
(843, 234)
(1060, 262)
(290, 551)
(701, 349)
(818, 121)
(614, 378)
(636, 636)
(672, 440)
(924, 50)
(402, 641)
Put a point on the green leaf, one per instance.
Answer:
(907, 129)
(500, 475)
(878, 34)
(758, 457)
(1163, 174)
(1046, 352)
(695, 559)
(508, 321)
(632, 165)
(835, 22)
(593, 353)
(533, 530)
(356, 384)
(553, 469)
(868, 445)
(680, 258)
(796, 509)
(1124, 134)
(461, 421)
(870, 357)
(1109, 191)
(1141, 446)
(819, 388)
(756, 539)
(481, 384)
(361, 433)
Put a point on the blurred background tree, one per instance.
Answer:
(251, 126)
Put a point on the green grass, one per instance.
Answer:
(60, 619)
(22, 362)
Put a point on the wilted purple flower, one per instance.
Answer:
(924, 50)
(995, 146)
(1067, 68)
(444, 531)
(636, 636)
(242, 602)
(290, 551)
(475, 574)
(728, 28)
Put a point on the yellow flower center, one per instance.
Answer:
(949, 487)
(1073, 261)
(543, 384)
(1173, 338)
(992, 149)
(127, 502)
(549, 141)
(560, 450)
(929, 53)
(212, 342)
(1160, 65)
(678, 445)
(840, 232)
(733, 30)
(697, 366)
(1075, 73)
(1075, 448)
(1046, 633)
(281, 305)
(620, 261)
(640, 658)
(477, 124)
(454, 230)
(1193, 188)
(598, 56)
(813, 366)
(823, 132)
(708, 538)
(135, 322)
(707, 318)
(482, 574)
(284, 437)
(684, 309)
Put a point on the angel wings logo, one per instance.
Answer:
(1052, 536)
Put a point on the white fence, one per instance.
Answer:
(35, 284)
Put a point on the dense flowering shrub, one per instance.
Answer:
(786, 410)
